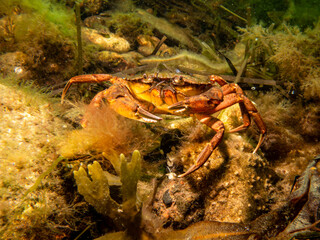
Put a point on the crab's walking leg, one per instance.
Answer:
(218, 127)
(246, 107)
(121, 101)
(89, 78)
(249, 111)
(233, 88)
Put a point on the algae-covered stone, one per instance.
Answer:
(149, 43)
(111, 60)
(110, 43)
(13, 62)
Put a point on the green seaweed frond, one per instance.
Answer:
(94, 186)
(52, 12)
(96, 190)
(130, 174)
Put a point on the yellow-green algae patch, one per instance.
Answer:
(30, 131)
(96, 190)
(109, 133)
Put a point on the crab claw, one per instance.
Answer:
(195, 104)
(146, 116)
(120, 100)
(180, 107)
(129, 109)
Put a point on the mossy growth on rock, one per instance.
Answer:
(96, 189)
(44, 31)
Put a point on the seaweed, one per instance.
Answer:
(96, 190)
(29, 186)
(128, 25)
(205, 20)
(45, 32)
(287, 55)
(169, 29)
(107, 132)
(197, 63)
(79, 39)
(42, 11)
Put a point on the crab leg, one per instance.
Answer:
(218, 79)
(218, 127)
(248, 110)
(210, 102)
(89, 78)
(233, 88)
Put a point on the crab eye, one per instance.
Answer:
(147, 79)
(178, 80)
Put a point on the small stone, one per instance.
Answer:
(111, 43)
(13, 62)
(166, 198)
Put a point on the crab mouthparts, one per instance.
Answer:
(147, 116)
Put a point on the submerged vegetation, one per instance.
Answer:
(288, 55)
(44, 31)
(61, 181)
(97, 192)
(108, 133)
(30, 131)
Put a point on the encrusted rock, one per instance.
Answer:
(167, 200)
(111, 60)
(118, 62)
(94, 6)
(111, 43)
(178, 204)
(13, 62)
(148, 44)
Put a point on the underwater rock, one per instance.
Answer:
(6, 30)
(167, 200)
(96, 22)
(111, 60)
(310, 122)
(231, 185)
(111, 43)
(117, 62)
(148, 44)
(93, 6)
(243, 188)
(30, 131)
(186, 205)
(132, 58)
(13, 63)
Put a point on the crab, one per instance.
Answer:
(144, 98)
